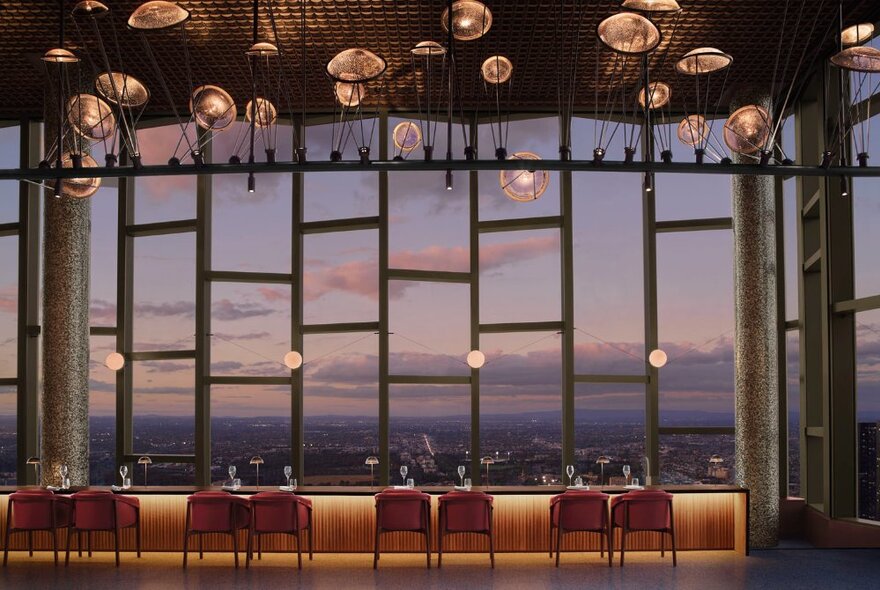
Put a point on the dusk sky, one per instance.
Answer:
(519, 282)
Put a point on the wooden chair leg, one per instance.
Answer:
(116, 543)
(201, 553)
(299, 549)
(558, 543)
(89, 535)
(249, 548)
(492, 549)
(311, 541)
(674, 560)
(550, 541)
(662, 544)
(376, 549)
(235, 546)
(67, 552)
(137, 532)
(610, 546)
(439, 549)
(8, 531)
(428, 547)
(601, 544)
(260, 547)
(30, 537)
(54, 533)
(622, 545)
(185, 544)
(79, 543)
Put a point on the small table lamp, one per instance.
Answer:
(372, 461)
(714, 462)
(602, 461)
(145, 461)
(487, 460)
(35, 461)
(257, 460)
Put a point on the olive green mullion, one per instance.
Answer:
(27, 372)
(567, 312)
(474, 207)
(652, 339)
(781, 355)
(297, 389)
(384, 415)
(124, 314)
(203, 326)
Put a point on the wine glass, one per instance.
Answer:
(570, 472)
(123, 471)
(232, 471)
(288, 471)
(63, 470)
(461, 471)
(403, 472)
(626, 472)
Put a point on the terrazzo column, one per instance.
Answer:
(64, 411)
(755, 347)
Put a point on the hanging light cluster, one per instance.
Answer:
(356, 74)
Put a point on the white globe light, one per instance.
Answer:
(476, 359)
(658, 358)
(114, 361)
(293, 360)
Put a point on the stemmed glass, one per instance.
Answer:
(403, 471)
(232, 471)
(461, 471)
(288, 471)
(64, 471)
(123, 471)
(626, 472)
(570, 472)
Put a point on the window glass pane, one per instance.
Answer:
(790, 245)
(429, 429)
(868, 412)
(695, 312)
(163, 198)
(9, 158)
(340, 407)
(102, 278)
(521, 407)
(250, 421)
(8, 444)
(520, 276)
(164, 310)
(166, 474)
(102, 413)
(430, 328)
(608, 274)
(609, 421)
(866, 238)
(8, 306)
(250, 329)
(341, 277)
(793, 366)
(685, 458)
(163, 407)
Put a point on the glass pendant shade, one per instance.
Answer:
(651, 5)
(858, 59)
(90, 116)
(428, 49)
(262, 49)
(748, 129)
(350, 94)
(693, 130)
(703, 60)
(470, 20)
(212, 107)
(496, 69)
(658, 359)
(857, 34)
(659, 94)
(407, 136)
(79, 188)
(524, 185)
(293, 360)
(157, 15)
(355, 65)
(89, 8)
(59, 56)
(476, 359)
(265, 112)
(131, 92)
(629, 33)
(114, 361)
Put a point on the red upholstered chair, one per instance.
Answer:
(37, 510)
(215, 512)
(279, 512)
(465, 512)
(579, 511)
(643, 510)
(403, 510)
(104, 511)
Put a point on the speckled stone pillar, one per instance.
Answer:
(64, 411)
(755, 348)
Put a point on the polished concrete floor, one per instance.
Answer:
(776, 569)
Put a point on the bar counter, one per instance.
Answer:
(707, 517)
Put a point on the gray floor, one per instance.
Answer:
(780, 568)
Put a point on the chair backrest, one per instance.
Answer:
(648, 509)
(213, 511)
(279, 512)
(402, 510)
(94, 510)
(580, 510)
(465, 511)
(32, 509)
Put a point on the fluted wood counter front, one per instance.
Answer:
(706, 518)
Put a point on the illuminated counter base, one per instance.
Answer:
(715, 520)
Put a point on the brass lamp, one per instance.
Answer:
(35, 461)
(257, 460)
(145, 461)
(602, 461)
(487, 460)
(372, 461)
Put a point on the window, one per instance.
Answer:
(163, 407)
(341, 277)
(102, 413)
(697, 458)
(868, 413)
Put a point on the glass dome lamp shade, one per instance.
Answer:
(79, 188)
(857, 34)
(476, 359)
(693, 130)
(59, 55)
(212, 107)
(629, 33)
(114, 361)
(90, 117)
(659, 93)
(349, 94)
(266, 114)
(658, 359)
(651, 5)
(132, 92)
(157, 15)
(407, 136)
(524, 185)
(747, 130)
(496, 69)
(371, 460)
(355, 65)
(262, 49)
(89, 8)
(470, 20)
(858, 59)
(293, 360)
(428, 49)
(703, 60)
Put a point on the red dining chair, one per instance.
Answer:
(644, 510)
(215, 512)
(579, 511)
(36, 510)
(403, 510)
(279, 512)
(98, 510)
(465, 512)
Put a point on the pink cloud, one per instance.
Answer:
(9, 299)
